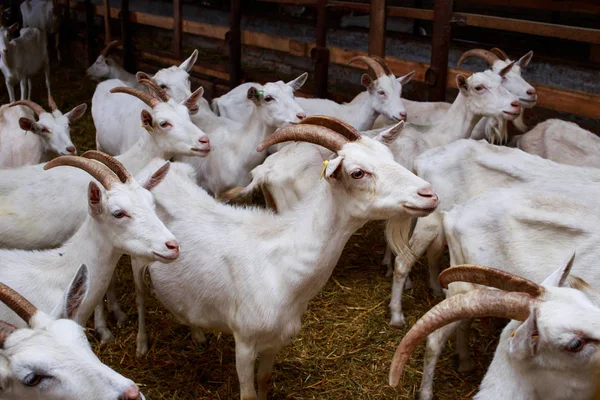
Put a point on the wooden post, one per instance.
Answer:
(107, 35)
(177, 29)
(89, 32)
(128, 61)
(377, 28)
(437, 74)
(235, 44)
(320, 54)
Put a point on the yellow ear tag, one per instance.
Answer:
(325, 164)
(148, 127)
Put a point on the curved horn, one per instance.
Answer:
(143, 96)
(39, 110)
(52, 103)
(383, 64)
(500, 53)
(111, 162)
(474, 304)
(488, 56)
(160, 92)
(375, 69)
(335, 125)
(5, 330)
(489, 277)
(306, 133)
(109, 48)
(99, 171)
(19, 304)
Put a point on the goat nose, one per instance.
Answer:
(204, 140)
(516, 104)
(132, 393)
(172, 245)
(72, 149)
(426, 191)
(403, 115)
(301, 116)
(531, 92)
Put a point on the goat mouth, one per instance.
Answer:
(420, 211)
(200, 152)
(528, 102)
(169, 257)
(511, 113)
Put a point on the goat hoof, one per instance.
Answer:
(425, 395)
(466, 366)
(141, 350)
(199, 338)
(397, 321)
(122, 318)
(106, 336)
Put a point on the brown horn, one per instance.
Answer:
(383, 64)
(474, 304)
(375, 69)
(109, 48)
(334, 124)
(52, 103)
(19, 304)
(99, 171)
(306, 133)
(500, 53)
(489, 277)
(39, 110)
(160, 92)
(111, 162)
(488, 56)
(5, 330)
(506, 69)
(143, 96)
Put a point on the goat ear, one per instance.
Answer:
(522, 344)
(142, 75)
(253, 94)
(406, 78)
(389, 135)
(29, 125)
(334, 168)
(95, 198)
(189, 63)
(13, 27)
(147, 120)
(298, 82)
(77, 112)
(524, 61)
(157, 177)
(461, 83)
(192, 101)
(366, 81)
(76, 293)
(559, 277)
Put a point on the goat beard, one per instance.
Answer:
(397, 234)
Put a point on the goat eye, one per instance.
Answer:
(479, 88)
(358, 174)
(163, 87)
(33, 379)
(269, 98)
(164, 124)
(381, 93)
(45, 130)
(119, 214)
(575, 345)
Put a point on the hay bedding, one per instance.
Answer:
(344, 348)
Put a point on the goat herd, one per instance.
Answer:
(324, 169)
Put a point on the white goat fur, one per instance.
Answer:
(105, 68)
(40, 14)
(257, 300)
(48, 136)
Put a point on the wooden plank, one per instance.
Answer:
(408, 12)
(440, 47)
(177, 27)
(107, 35)
(588, 7)
(235, 44)
(294, 2)
(377, 28)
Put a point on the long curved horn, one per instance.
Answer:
(500, 53)
(383, 64)
(375, 69)
(160, 92)
(39, 110)
(99, 171)
(475, 304)
(5, 330)
(488, 56)
(111, 162)
(143, 96)
(306, 133)
(334, 124)
(109, 48)
(489, 277)
(19, 304)
(52, 103)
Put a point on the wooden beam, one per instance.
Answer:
(128, 61)
(440, 46)
(377, 28)
(89, 32)
(235, 43)
(589, 7)
(177, 27)
(320, 54)
(107, 35)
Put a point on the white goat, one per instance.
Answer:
(33, 218)
(548, 351)
(270, 266)
(234, 105)
(51, 358)
(42, 15)
(121, 220)
(25, 141)
(107, 68)
(22, 58)
(381, 97)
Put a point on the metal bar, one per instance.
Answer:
(177, 28)
(377, 28)
(128, 61)
(320, 54)
(235, 44)
(438, 72)
(107, 35)
(89, 32)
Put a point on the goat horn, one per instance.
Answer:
(474, 304)
(5, 330)
(490, 277)
(109, 48)
(111, 162)
(375, 69)
(506, 69)
(488, 56)
(383, 64)
(39, 110)
(99, 171)
(335, 125)
(160, 92)
(306, 133)
(500, 53)
(19, 304)
(143, 96)
(52, 103)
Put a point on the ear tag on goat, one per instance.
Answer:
(261, 93)
(325, 164)
(148, 127)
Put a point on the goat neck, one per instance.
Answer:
(458, 123)
(361, 112)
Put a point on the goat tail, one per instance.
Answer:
(397, 234)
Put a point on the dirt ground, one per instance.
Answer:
(345, 346)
